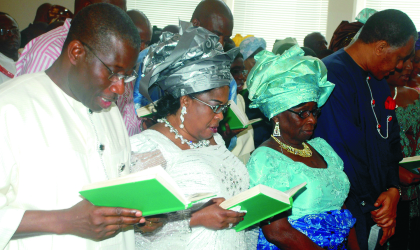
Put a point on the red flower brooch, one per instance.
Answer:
(390, 103)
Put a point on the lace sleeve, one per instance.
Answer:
(145, 153)
(268, 167)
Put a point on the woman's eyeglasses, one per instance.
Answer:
(216, 109)
(306, 113)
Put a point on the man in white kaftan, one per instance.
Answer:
(49, 149)
(60, 130)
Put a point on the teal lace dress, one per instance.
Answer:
(316, 210)
(408, 212)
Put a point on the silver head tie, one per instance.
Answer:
(187, 63)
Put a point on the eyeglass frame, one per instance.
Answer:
(126, 78)
(224, 108)
(314, 112)
(241, 72)
(9, 31)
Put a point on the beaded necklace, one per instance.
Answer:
(372, 104)
(200, 144)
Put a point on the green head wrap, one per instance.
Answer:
(277, 83)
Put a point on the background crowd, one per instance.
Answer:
(71, 86)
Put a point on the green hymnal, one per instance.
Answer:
(412, 164)
(151, 191)
(236, 118)
(260, 203)
(146, 111)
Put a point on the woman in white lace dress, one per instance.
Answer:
(185, 141)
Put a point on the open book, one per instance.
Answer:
(151, 191)
(236, 118)
(412, 164)
(146, 111)
(260, 203)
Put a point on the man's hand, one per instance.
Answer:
(98, 223)
(386, 215)
(388, 232)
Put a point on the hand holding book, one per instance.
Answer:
(212, 216)
(93, 222)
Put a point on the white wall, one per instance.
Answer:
(339, 10)
(24, 10)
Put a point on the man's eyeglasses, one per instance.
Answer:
(236, 72)
(306, 113)
(4, 32)
(114, 77)
(216, 109)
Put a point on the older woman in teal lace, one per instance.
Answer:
(407, 110)
(289, 90)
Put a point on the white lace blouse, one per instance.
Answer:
(212, 169)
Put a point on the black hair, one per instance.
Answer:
(169, 105)
(239, 55)
(96, 23)
(308, 40)
(308, 51)
(229, 44)
(392, 26)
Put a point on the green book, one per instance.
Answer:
(146, 111)
(236, 118)
(260, 203)
(412, 164)
(151, 191)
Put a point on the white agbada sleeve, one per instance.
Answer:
(10, 217)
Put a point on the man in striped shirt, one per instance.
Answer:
(40, 53)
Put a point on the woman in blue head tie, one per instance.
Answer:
(289, 90)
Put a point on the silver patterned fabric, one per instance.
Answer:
(186, 63)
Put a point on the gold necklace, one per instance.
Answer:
(305, 152)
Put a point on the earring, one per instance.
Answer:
(183, 112)
(276, 129)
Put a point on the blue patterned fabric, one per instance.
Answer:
(328, 229)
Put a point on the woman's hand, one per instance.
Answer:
(407, 178)
(214, 217)
(98, 223)
(228, 134)
(280, 233)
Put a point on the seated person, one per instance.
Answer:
(289, 90)
(186, 143)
